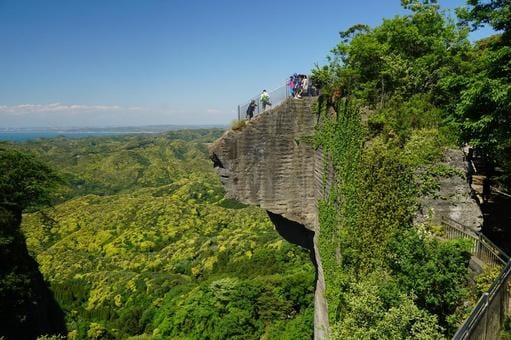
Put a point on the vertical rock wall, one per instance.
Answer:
(271, 163)
(453, 199)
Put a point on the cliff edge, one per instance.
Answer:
(271, 163)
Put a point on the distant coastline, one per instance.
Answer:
(24, 134)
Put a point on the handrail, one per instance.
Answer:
(277, 96)
(500, 192)
(473, 319)
(478, 237)
(481, 308)
(472, 325)
(495, 249)
(499, 281)
(459, 225)
(483, 248)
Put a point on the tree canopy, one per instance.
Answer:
(496, 13)
(403, 92)
(144, 243)
(24, 180)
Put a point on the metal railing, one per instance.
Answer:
(482, 247)
(277, 97)
(488, 316)
(505, 194)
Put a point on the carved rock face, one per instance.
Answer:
(271, 162)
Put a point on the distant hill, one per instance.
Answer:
(142, 241)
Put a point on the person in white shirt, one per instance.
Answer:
(265, 99)
(305, 85)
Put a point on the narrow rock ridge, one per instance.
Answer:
(271, 163)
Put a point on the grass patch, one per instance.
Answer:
(238, 125)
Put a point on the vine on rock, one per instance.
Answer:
(376, 264)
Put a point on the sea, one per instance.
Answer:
(25, 134)
(18, 136)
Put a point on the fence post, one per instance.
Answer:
(480, 247)
(507, 298)
(239, 113)
(485, 316)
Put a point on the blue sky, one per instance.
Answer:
(140, 62)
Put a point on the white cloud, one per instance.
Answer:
(135, 108)
(213, 110)
(59, 107)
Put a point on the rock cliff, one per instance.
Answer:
(452, 200)
(271, 163)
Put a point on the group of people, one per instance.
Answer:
(264, 98)
(298, 85)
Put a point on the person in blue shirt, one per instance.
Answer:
(250, 109)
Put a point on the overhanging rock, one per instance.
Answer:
(271, 163)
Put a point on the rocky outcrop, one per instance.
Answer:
(453, 200)
(271, 163)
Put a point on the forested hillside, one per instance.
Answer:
(394, 98)
(142, 241)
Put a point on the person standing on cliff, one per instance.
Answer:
(250, 109)
(291, 85)
(305, 86)
(265, 99)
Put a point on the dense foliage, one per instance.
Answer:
(484, 104)
(144, 242)
(24, 180)
(378, 267)
(420, 70)
(393, 98)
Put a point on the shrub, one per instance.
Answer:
(238, 125)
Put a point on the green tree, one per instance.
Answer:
(400, 77)
(485, 98)
(25, 181)
(148, 245)
(496, 13)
